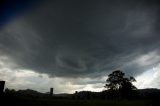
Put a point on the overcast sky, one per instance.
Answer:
(74, 44)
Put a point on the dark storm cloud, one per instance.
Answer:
(85, 38)
(9, 9)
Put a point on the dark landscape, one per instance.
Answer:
(110, 97)
(145, 97)
(79, 52)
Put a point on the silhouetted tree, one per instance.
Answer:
(120, 84)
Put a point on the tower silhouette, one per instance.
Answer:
(51, 91)
(2, 83)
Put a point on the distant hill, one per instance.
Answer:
(142, 93)
(63, 95)
(154, 90)
(149, 93)
(29, 92)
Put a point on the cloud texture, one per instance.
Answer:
(85, 39)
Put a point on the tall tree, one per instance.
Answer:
(117, 81)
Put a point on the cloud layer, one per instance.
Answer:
(85, 39)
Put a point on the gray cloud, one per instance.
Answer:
(84, 39)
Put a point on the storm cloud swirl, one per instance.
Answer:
(85, 38)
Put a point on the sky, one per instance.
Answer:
(72, 45)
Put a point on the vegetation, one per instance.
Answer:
(120, 85)
(117, 81)
(120, 92)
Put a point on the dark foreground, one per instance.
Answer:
(145, 97)
(72, 102)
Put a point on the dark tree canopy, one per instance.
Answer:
(117, 81)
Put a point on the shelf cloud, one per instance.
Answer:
(85, 39)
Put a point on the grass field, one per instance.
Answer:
(93, 103)
(56, 102)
